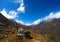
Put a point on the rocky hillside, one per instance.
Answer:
(47, 31)
(49, 27)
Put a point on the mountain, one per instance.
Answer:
(48, 26)
(46, 31)
(8, 30)
(8, 22)
(3, 20)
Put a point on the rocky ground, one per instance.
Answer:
(9, 35)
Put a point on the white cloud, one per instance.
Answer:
(19, 21)
(37, 22)
(21, 8)
(34, 23)
(28, 24)
(11, 15)
(52, 15)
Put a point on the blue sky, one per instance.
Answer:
(30, 11)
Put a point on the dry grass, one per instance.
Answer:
(11, 37)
